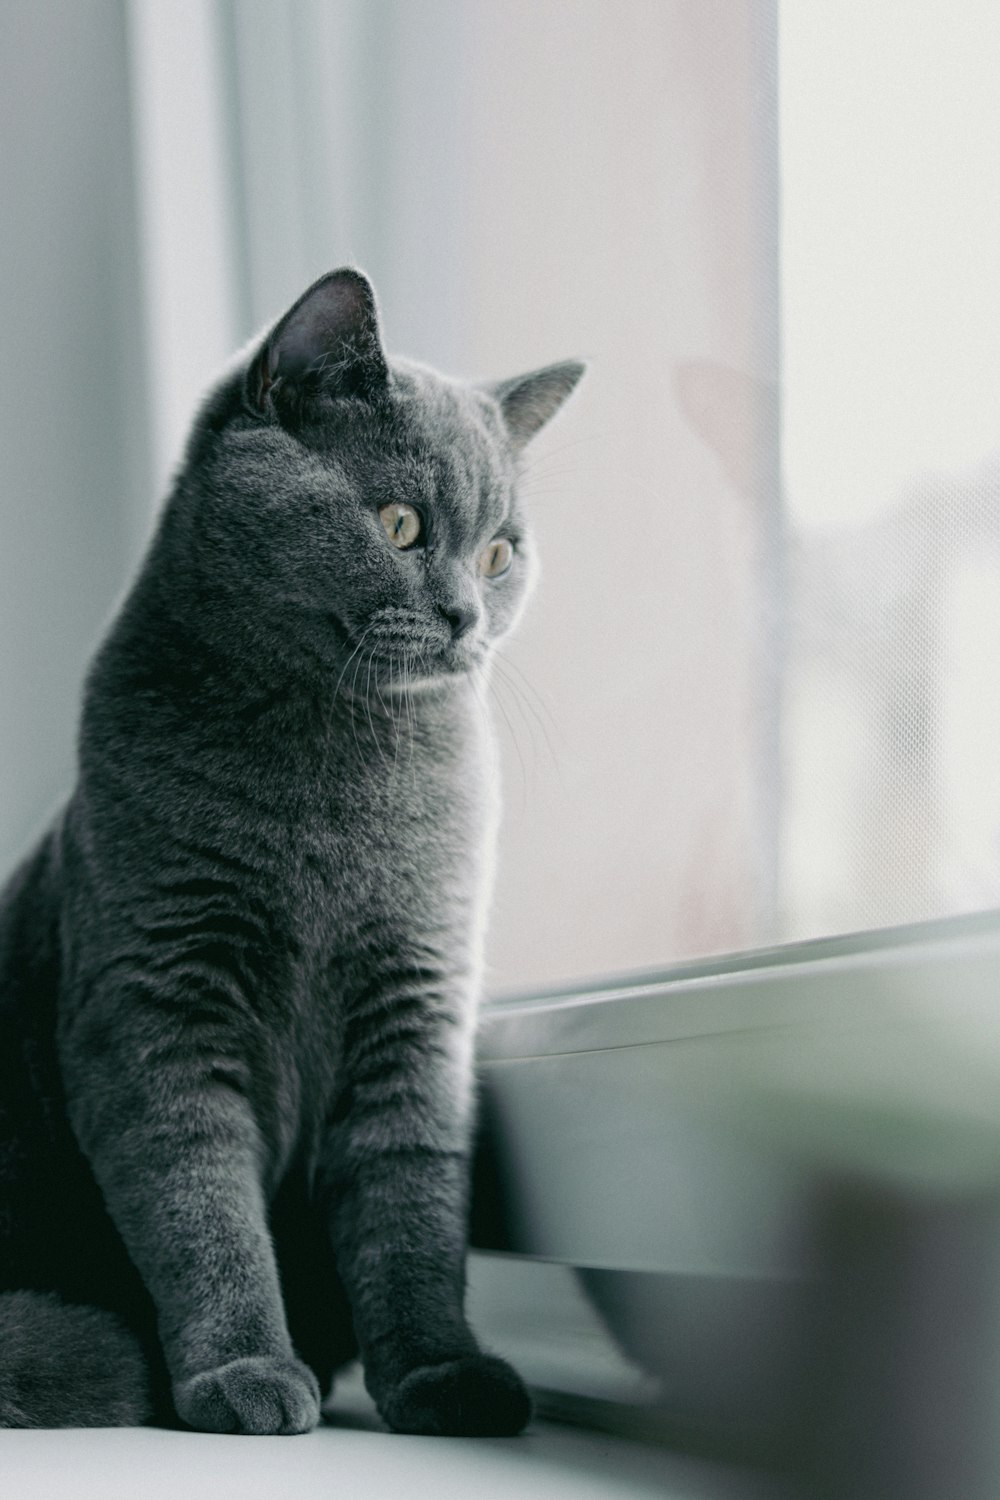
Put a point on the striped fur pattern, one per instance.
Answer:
(239, 975)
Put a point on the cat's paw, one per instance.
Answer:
(477, 1396)
(259, 1394)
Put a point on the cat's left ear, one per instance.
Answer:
(328, 341)
(527, 402)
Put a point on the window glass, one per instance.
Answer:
(890, 240)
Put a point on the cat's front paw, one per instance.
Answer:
(259, 1394)
(477, 1396)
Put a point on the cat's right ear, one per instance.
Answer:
(527, 402)
(328, 341)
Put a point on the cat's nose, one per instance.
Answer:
(461, 620)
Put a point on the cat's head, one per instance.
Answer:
(343, 506)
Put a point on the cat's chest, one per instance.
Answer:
(405, 837)
(386, 871)
(364, 843)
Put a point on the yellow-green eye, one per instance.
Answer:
(496, 557)
(402, 524)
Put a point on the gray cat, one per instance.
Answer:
(238, 977)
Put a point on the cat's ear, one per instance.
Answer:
(527, 402)
(328, 341)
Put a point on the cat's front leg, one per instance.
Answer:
(179, 1158)
(396, 1169)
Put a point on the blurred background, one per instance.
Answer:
(756, 697)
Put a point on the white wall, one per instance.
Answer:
(73, 451)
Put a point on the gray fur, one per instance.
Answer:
(239, 977)
(57, 1358)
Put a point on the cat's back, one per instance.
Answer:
(29, 942)
(31, 1114)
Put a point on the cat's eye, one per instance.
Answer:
(402, 524)
(496, 557)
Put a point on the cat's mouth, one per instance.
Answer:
(379, 657)
(400, 664)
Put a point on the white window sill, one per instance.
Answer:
(354, 1459)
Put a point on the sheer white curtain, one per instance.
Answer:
(185, 199)
(528, 182)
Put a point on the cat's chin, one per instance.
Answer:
(429, 676)
(405, 670)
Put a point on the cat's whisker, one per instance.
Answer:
(354, 707)
(558, 489)
(544, 475)
(548, 493)
(408, 708)
(364, 636)
(368, 707)
(410, 719)
(477, 689)
(529, 715)
(386, 710)
(543, 708)
(397, 727)
(535, 723)
(536, 460)
(516, 745)
(543, 484)
(393, 718)
(480, 688)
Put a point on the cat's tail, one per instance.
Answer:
(62, 1365)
